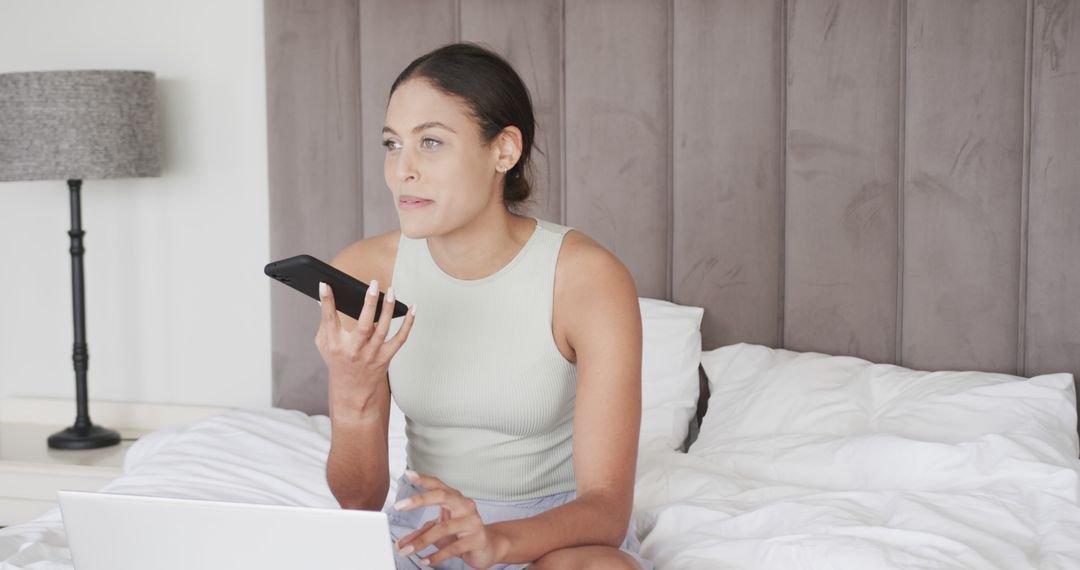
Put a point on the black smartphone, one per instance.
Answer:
(304, 272)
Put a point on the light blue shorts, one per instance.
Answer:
(403, 523)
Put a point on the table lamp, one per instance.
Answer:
(78, 125)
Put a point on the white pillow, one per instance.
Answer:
(760, 391)
(671, 352)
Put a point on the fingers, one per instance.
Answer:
(430, 498)
(444, 515)
(385, 315)
(438, 493)
(363, 344)
(445, 534)
(456, 530)
(412, 536)
(365, 320)
(458, 548)
(402, 334)
(453, 501)
(329, 309)
(425, 481)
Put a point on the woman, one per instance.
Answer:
(522, 381)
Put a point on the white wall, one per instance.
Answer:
(177, 304)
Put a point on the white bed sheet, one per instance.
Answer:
(796, 502)
(730, 508)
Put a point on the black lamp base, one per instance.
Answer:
(92, 437)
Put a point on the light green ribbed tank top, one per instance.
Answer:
(488, 398)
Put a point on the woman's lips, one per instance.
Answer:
(411, 202)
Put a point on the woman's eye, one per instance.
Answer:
(426, 143)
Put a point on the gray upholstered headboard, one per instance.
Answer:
(895, 180)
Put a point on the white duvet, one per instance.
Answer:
(784, 502)
(271, 456)
(874, 501)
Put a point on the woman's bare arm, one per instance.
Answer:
(357, 469)
(599, 303)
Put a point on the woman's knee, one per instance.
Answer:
(586, 558)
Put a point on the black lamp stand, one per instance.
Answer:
(84, 434)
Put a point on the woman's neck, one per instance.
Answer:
(482, 247)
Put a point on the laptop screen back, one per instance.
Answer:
(121, 532)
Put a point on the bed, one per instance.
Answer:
(861, 184)
(750, 457)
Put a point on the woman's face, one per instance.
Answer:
(440, 172)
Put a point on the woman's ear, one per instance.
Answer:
(508, 148)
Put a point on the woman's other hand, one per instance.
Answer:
(358, 359)
(458, 531)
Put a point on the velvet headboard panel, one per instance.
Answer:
(894, 180)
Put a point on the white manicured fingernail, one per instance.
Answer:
(322, 289)
(413, 310)
(411, 475)
(373, 289)
(390, 295)
(407, 550)
(402, 504)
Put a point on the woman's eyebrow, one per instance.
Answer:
(422, 126)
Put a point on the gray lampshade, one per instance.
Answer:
(64, 125)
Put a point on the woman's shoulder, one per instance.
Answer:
(370, 258)
(580, 250)
(585, 265)
(595, 296)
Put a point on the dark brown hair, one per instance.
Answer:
(493, 92)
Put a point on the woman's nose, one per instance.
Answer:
(406, 166)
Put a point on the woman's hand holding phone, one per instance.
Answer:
(358, 360)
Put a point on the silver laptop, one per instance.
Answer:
(126, 532)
